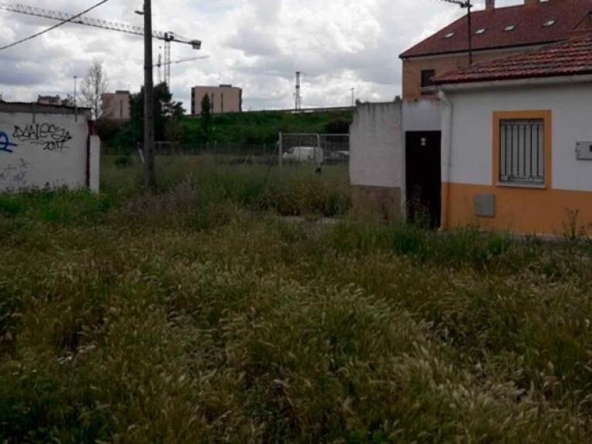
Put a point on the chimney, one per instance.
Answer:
(489, 5)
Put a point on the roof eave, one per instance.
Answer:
(525, 81)
(477, 50)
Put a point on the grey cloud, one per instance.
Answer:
(12, 74)
(254, 43)
(268, 11)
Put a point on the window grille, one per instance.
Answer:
(522, 151)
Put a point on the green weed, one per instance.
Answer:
(198, 315)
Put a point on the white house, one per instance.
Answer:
(517, 142)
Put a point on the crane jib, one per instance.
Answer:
(96, 23)
(167, 37)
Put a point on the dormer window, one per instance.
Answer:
(510, 28)
(449, 35)
(480, 31)
(549, 23)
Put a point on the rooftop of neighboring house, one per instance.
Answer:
(43, 108)
(568, 58)
(215, 86)
(49, 98)
(116, 93)
(536, 22)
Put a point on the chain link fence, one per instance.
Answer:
(312, 151)
(318, 149)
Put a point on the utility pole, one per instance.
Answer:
(353, 91)
(149, 170)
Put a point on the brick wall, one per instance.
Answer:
(413, 67)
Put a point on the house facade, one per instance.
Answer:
(496, 33)
(517, 142)
(433, 171)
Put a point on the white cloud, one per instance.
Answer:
(255, 44)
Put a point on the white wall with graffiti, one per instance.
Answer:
(45, 147)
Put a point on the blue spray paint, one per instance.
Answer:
(5, 144)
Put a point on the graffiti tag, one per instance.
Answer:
(14, 176)
(50, 137)
(5, 144)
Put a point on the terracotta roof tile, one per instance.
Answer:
(570, 15)
(571, 57)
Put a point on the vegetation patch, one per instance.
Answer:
(198, 315)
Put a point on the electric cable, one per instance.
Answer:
(63, 22)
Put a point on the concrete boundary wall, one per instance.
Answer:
(376, 145)
(377, 153)
(46, 147)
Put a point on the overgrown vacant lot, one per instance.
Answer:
(199, 316)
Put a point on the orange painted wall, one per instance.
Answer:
(441, 64)
(519, 210)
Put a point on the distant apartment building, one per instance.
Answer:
(223, 99)
(116, 106)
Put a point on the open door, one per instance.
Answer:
(424, 177)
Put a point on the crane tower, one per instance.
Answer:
(167, 37)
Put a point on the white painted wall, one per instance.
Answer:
(422, 115)
(376, 150)
(471, 133)
(41, 150)
(95, 163)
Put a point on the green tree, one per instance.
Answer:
(166, 113)
(206, 115)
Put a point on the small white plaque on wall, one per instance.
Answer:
(584, 150)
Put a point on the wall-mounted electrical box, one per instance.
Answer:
(584, 150)
(484, 205)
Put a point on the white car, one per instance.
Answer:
(304, 154)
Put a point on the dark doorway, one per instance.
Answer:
(424, 177)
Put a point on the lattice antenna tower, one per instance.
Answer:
(298, 92)
(466, 4)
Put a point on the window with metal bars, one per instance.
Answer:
(522, 151)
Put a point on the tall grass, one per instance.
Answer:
(292, 191)
(197, 315)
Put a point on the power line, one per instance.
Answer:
(63, 22)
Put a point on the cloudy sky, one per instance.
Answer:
(255, 44)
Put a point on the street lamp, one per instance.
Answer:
(75, 92)
(75, 98)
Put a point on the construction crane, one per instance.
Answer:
(160, 64)
(167, 37)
